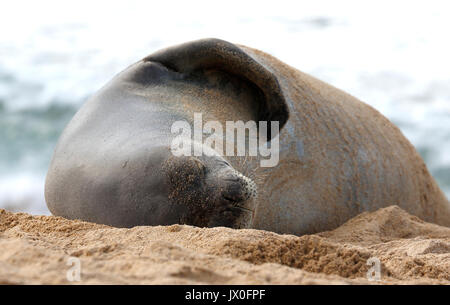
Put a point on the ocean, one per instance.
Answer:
(393, 55)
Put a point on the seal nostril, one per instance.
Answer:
(229, 199)
(232, 179)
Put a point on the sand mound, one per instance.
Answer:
(38, 249)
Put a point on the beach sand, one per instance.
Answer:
(38, 249)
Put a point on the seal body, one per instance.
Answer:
(338, 156)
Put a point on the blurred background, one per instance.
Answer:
(393, 55)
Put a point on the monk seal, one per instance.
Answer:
(338, 156)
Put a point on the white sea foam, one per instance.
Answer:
(23, 192)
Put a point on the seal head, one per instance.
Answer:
(113, 163)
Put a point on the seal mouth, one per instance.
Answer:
(236, 205)
(246, 210)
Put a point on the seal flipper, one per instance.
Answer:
(206, 54)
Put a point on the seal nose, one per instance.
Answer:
(239, 188)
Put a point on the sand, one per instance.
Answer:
(48, 249)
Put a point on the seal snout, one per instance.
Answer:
(238, 188)
(237, 205)
(209, 192)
